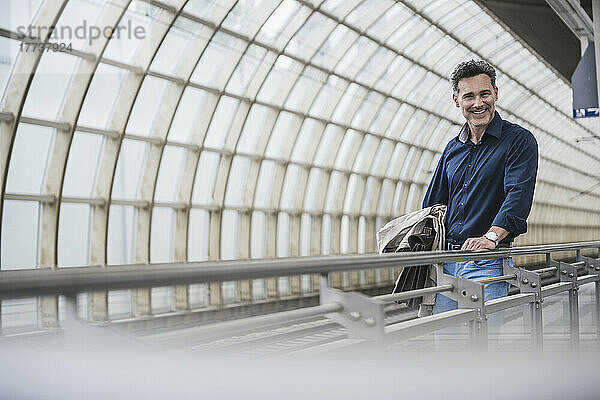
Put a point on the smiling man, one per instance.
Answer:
(486, 177)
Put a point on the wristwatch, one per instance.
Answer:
(493, 237)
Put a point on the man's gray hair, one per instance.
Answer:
(468, 69)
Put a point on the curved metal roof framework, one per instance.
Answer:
(249, 128)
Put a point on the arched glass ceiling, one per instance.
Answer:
(237, 129)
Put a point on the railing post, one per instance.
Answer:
(468, 294)
(568, 273)
(362, 316)
(592, 266)
(530, 282)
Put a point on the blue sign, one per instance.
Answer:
(586, 112)
(583, 82)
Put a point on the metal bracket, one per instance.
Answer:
(568, 272)
(526, 281)
(467, 293)
(362, 315)
(592, 265)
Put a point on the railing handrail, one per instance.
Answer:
(71, 280)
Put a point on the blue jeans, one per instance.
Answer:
(473, 270)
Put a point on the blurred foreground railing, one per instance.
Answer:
(363, 316)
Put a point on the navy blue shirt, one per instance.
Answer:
(488, 183)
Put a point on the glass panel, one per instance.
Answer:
(76, 15)
(385, 114)
(132, 31)
(283, 136)
(73, 235)
(326, 235)
(365, 157)
(340, 8)
(328, 97)
(162, 299)
(198, 295)
(258, 289)
(382, 157)
(337, 182)
(354, 194)
(121, 224)
(128, 175)
(308, 39)
(330, 143)
(348, 149)
(289, 193)
(191, 108)
(229, 235)
(198, 232)
(9, 51)
(349, 103)
(283, 23)
(206, 175)
(256, 129)
(230, 292)
(305, 90)
(283, 235)
(335, 46)
(221, 122)
(356, 57)
(393, 73)
(218, 61)
(305, 231)
(49, 86)
(315, 189)
(19, 314)
(264, 187)
(279, 81)
(18, 15)
(30, 153)
(307, 141)
(375, 66)
(174, 48)
(369, 10)
(20, 234)
(146, 109)
(120, 304)
(247, 17)
(82, 165)
(170, 173)
(106, 84)
(258, 245)
(246, 70)
(390, 21)
(210, 10)
(236, 185)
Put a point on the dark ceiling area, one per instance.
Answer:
(539, 26)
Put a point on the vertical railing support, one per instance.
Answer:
(530, 282)
(468, 294)
(568, 273)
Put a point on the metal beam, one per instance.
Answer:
(574, 16)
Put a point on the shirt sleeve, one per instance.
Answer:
(519, 184)
(437, 192)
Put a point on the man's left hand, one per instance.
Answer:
(479, 243)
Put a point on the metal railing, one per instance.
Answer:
(363, 316)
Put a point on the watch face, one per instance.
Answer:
(492, 236)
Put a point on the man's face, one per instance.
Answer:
(476, 98)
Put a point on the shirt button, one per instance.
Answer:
(465, 185)
(461, 204)
(460, 223)
(469, 165)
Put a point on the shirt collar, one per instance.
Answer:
(494, 129)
